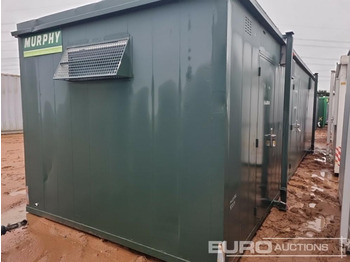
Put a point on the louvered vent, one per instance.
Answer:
(95, 61)
(248, 26)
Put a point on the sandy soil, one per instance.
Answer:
(43, 240)
(13, 190)
(313, 211)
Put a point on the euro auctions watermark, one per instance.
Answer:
(279, 247)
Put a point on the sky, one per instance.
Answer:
(16, 11)
(321, 31)
(321, 28)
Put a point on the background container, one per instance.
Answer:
(322, 111)
(11, 104)
(176, 142)
(331, 115)
(344, 171)
(302, 96)
(336, 117)
(344, 184)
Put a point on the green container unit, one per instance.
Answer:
(302, 119)
(322, 111)
(158, 125)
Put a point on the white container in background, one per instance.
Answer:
(338, 90)
(11, 104)
(344, 169)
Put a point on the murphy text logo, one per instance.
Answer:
(42, 44)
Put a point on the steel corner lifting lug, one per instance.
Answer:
(282, 203)
(282, 206)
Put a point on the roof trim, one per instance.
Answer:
(7, 74)
(107, 7)
(78, 14)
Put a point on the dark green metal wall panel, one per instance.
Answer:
(322, 111)
(176, 155)
(253, 173)
(301, 115)
(309, 115)
(141, 159)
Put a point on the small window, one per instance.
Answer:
(96, 61)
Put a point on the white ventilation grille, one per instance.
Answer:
(248, 26)
(90, 62)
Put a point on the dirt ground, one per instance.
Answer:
(44, 240)
(13, 190)
(313, 211)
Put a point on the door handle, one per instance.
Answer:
(297, 126)
(270, 139)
